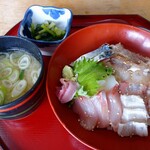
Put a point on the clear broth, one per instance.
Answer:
(19, 71)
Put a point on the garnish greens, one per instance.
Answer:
(89, 72)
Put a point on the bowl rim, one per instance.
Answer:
(22, 23)
(29, 92)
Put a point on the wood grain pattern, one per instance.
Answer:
(11, 12)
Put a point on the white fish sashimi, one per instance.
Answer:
(137, 115)
(132, 128)
(130, 66)
(132, 89)
(134, 118)
(136, 58)
(132, 101)
(114, 106)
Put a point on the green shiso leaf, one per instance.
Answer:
(89, 72)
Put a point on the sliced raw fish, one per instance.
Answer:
(132, 128)
(136, 114)
(101, 106)
(132, 101)
(84, 107)
(132, 88)
(114, 106)
(67, 91)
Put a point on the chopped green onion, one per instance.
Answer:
(14, 57)
(2, 65)
(24, 62)
(7, 83)
(19, 88)
(21, 75)
(4, 73)
(14, 76)
(3, 91)
(35, 74)
(3, 55)
(1, 97)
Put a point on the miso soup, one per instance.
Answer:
(19, 71)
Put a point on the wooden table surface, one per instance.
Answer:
(12, 11)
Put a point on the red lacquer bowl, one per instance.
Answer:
(83, 41)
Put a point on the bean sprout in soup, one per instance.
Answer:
(19, 71)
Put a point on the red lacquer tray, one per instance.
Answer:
(41, 129)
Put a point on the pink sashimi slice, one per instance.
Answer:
(67, 90)
(101, 106)
(93, 111)
(84, 107)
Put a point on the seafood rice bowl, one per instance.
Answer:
(101, 93)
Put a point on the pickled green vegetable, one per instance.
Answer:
(47, 31)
